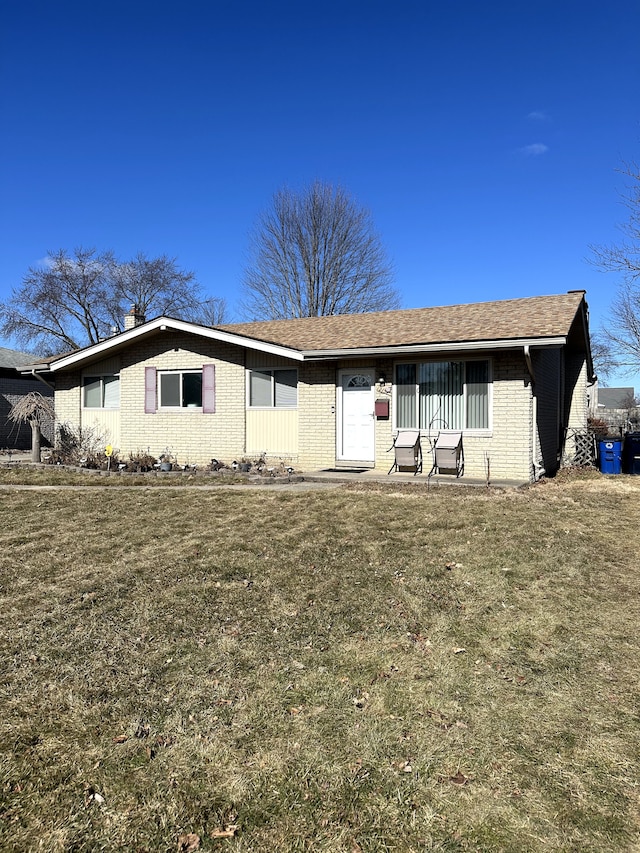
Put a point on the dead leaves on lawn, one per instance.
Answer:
(230, 831)
(190, 841)
(458, 778)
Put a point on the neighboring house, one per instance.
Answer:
(331, 392)
(617, 407)
(13, 386)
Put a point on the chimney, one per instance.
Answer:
(133, 318)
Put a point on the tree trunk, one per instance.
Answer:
(35, 441)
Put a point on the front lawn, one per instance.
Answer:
(345, 670)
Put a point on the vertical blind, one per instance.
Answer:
(269, 388)
(441, 394)
(102, 392)
(451, 394)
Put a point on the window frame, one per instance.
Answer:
(181, 373)
(99, 377)
(479, 431)
(271, 371)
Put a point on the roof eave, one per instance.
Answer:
(440, 347)
(162, 324)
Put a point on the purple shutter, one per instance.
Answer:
(208, 389)
(150, 393)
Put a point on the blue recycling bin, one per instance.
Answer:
(631, 455)
(611, 456)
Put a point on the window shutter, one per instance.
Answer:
(150, 393)
(208, 389)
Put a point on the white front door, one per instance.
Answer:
(356, 422)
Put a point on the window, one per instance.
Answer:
(180, 389)
(101, 392)
(433, 394)
(273, 389)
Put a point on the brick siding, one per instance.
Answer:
(508, 447)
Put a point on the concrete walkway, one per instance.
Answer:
(419, 480)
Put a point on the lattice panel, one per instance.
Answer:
(580, 448)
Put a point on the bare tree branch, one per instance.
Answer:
(622, 334)
(80, 298)
(316, 253)
(211, 312)
(155, 286)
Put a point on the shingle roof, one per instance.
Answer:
(555, 319)
(614, 398)
(532, 317)
(13, 358)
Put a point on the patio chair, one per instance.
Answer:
(448, 455)
(408, 452)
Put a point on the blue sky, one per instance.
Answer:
(485, 139)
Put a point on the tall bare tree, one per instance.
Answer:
(80, 298)
(155, 286)
(63, 304)
(315, 253)
(622, 333)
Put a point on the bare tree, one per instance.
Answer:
(604, 362)
(211, 312)
(155, 286)
(316, 253)
(62, 305)
(630, 401)
(623, 332)
(78, 299)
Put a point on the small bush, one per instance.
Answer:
(140, 462)
(598, 427)
(80, 445)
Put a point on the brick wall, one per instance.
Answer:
(192, 436)
(506, 450)
(317, 418)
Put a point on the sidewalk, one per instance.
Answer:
(335, 475)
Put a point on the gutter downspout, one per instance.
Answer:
(42, 379)
(538, 470)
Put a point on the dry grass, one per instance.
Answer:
(351, 670)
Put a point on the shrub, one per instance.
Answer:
(80, 446)
(141, 461)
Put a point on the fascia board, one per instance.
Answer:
(456, 346)
(164, 324)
